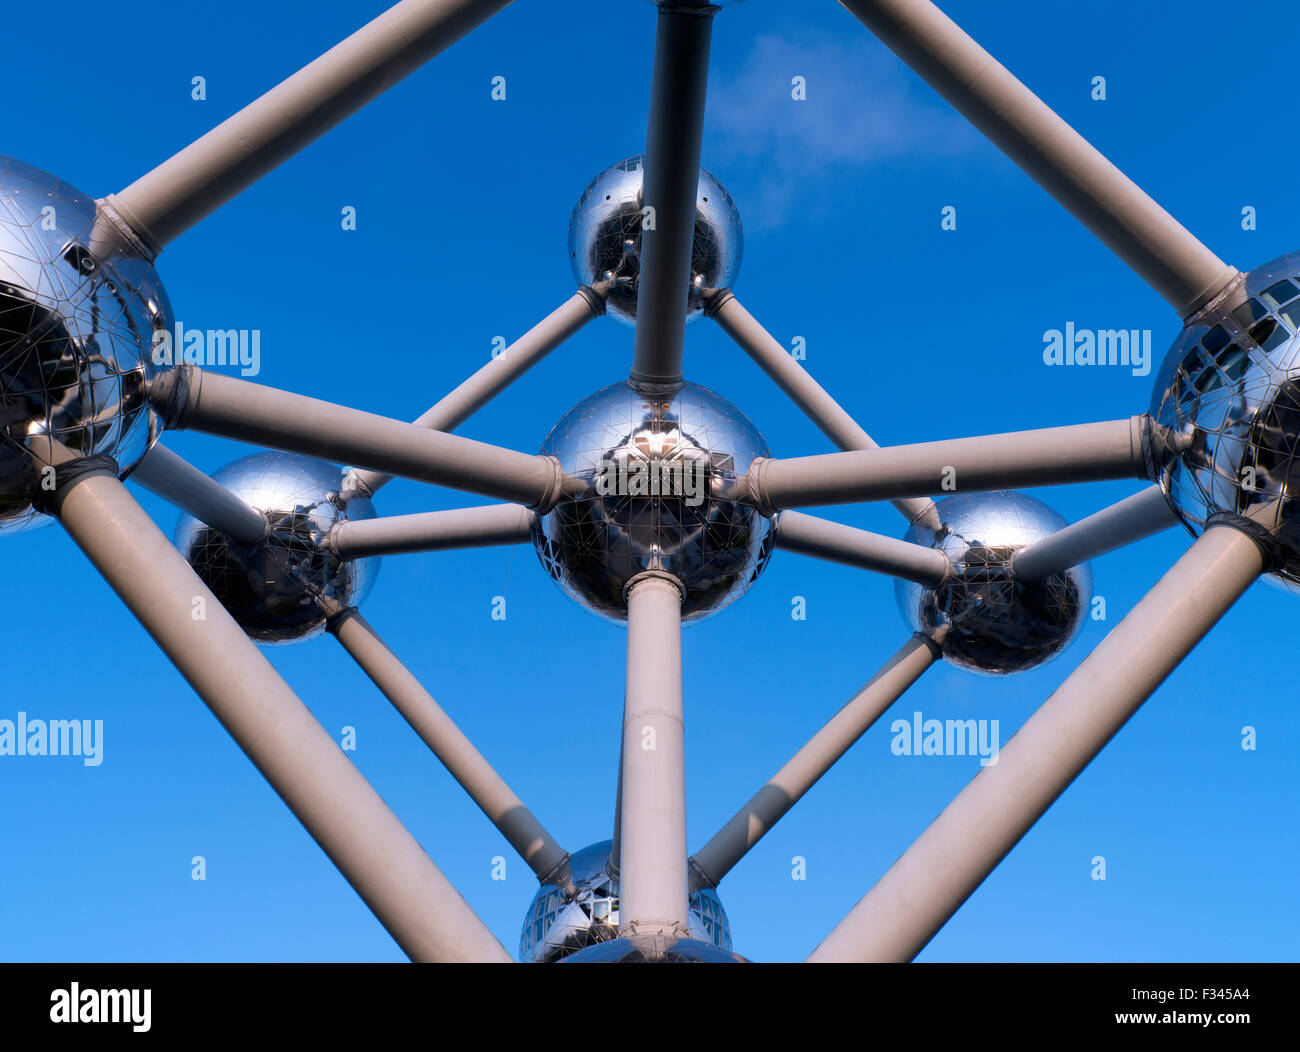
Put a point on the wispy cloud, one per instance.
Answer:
(862, 108)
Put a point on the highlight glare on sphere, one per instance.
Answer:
(556, 926)
(76, 338)
(656, 469)
(274, 589)
(605, 237)
(998, 623)
(1226, 410)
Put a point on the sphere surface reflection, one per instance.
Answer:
(654, 949)
(76, 338)
(656, 469)
(605, 237)
(1226, 409)
(274, 589)
(556, 926)
(997, 622)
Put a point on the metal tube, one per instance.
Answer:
(920, 891)
(802, 771)
(674, 133)
(616, 842)
(1059, 159)
(831, 419)
(1046, 457)
(823, 539)
(346, 817)
(534, 345)
(652, 862)
(248, 412)
(1144, 513)
(232, 156)
(179, 482)
(439, 732)
(432, 531)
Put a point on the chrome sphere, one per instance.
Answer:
(76, 338)
(997, 623)
(1226, 414)
(557, 926)
(274, 589)
(654, 949)
(605, 237)
(656, 469)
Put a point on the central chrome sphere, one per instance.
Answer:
(275, 589)
(654, 949)
(657, 469)
(1226, 410)
(997, 622)
(76, 338)
(605, 237)
(556, 925)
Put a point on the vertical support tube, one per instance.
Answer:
(674, 135)
(652, 864)
(329, 796)
(926, 886)
(616, 844)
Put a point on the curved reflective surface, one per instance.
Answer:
(605, 237)
(76, 338)
(1226, 403)
(654, 949)
(998, 623)
(556, 926)
(655, 468)
(273, 589)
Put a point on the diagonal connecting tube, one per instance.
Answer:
(189, 186)
(346, 817)
(803, 770)
(465, 763)
(1159, 248)
(926, 886)
(829, 416)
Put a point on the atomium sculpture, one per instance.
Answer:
(653, 502)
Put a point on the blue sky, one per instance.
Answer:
(462, 208)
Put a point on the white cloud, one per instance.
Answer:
(862, 107)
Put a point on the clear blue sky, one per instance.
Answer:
(463, 206)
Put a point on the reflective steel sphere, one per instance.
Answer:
(274, 589)
(653, 949)
(998, 623)
(76, 338)
(1226, 409)
(656, 468)
(605, 237)
(556, 926)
